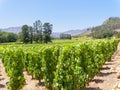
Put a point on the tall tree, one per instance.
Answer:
(20, 39)
(38, 31)
(25, 33)
(47, 30)
(31, 34)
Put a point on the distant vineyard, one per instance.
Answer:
(68, 67)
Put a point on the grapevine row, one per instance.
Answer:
(68, 67)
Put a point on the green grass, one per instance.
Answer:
(54, 42)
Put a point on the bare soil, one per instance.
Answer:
(109, 76)
(31, 84)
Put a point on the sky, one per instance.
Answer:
(63, 14)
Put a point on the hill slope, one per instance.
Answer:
(75, 32)
(107, 29)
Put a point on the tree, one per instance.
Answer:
(117, 35)
(7, 37)
(25, 33)
(31, 34)
(107, 29)
(38, 31)
(3, 37)
(112, 23)
(20, 37)
(47, 30)
(102, 32)
(11, 37)
(65, 36)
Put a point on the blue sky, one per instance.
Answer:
(63, 14)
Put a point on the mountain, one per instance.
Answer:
(112, 23)
(54, 34)
(107, 29)
(12, 29)
(75, 32)
(72, 32)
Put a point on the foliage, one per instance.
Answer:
(63, 67)
(33, 63)
(107, 29)
(65, 36)
(35, 33)
(50, 59)
(31, 34)
(78, 64)
(69, 75)
(25, 33)
(37, 30)
(13, 62)
(7, 37)
(102, 32)
(117, 35)
(112, 23)
(47, 30)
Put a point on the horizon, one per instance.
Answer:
(52, 32)
(64, 15)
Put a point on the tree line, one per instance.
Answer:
(38, 33)
(7, 37)
(65, 36)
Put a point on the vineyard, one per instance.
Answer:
(61, 67)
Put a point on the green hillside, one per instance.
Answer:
(109, 28)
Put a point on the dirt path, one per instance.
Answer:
(106, 80)
(3, 77)
(109, 76)
(31, 84)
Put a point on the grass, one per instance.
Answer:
(54, 42)
(74, 41)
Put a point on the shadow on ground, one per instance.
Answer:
(97, 81)
(101, 74)
(2, 79)
(41, 84)
(89, 88)
(2, 86)
(109, 63)
(105, 68)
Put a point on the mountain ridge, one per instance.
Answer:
(73, 32)
(12, 29)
